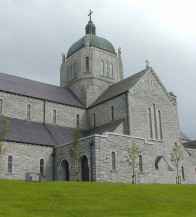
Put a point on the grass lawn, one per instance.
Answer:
(67, 199)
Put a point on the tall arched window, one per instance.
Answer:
(150, 123)
(111, 71)
(72, 72)
(75, 70)
(87, 64)
(113, 161)
(77, 120)
(112, 112)
(1, 106)
(140, 163)
(28, 111)
(102, 68)
(155, 121)
(54, 116)
(41, 167)
(160, 126)
(183, 176)
(106, 70)
(69, 74)
(94, 120)
(9, 164)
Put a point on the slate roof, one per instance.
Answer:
(37, 133)
(110, 127)
(26, 87)
(190, 145)
(184, 137)
(120, 87)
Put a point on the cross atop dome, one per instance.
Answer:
(90, 12)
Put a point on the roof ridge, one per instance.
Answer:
(18, 77)
(123, 86)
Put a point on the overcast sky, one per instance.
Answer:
(34, 33)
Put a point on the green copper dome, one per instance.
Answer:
(95, 41)
(90, 39)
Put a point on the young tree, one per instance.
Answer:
(74, 151)
(132, 155)
(4, 128)
(175, 157)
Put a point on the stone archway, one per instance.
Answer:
(85, 168)
(64, 171)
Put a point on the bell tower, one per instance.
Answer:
(91, 66)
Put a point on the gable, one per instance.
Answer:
(142, 79)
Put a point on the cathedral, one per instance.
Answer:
(112, 113)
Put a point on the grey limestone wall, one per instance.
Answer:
(147, 93)
(89, 89)
(15, 106)
(26, 159)
(119, 144)
(66, 115)
(93, 83)
(103, 111)
(85, 149)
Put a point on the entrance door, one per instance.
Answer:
(85, 169)
(64, 171)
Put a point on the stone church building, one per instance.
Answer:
(112, 113)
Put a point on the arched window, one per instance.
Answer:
(87, 64)
(28, 111)
(155, 121)
(75, 70)
(183, 176)
(113, 161)
(77, 120)
(140, 163)
(69, 74)
(160, 126)
(1, 106)
(9, 164)
(41, 166)
(102, 68)
(72, 72)
(150, 123)
(94, 120)
(111, 71)
(112, 112)
(54, 116)
(106, 70)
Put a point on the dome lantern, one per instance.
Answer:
(90, 27)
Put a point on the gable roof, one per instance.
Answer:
(109, 127)
(120, 87)
(30, 132)
(35, 89)
(190, 145)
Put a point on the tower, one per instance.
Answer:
(91, 66)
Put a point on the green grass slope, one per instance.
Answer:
(67, 199)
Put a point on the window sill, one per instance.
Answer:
(156, 140)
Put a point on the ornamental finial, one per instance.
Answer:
(147, 64)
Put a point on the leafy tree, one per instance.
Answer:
(4, 128)
(175, 157)
(74, 151)
(132, 155)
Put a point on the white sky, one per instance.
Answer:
(34, 33)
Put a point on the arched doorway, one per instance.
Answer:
(85, 169)
(64, 171)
